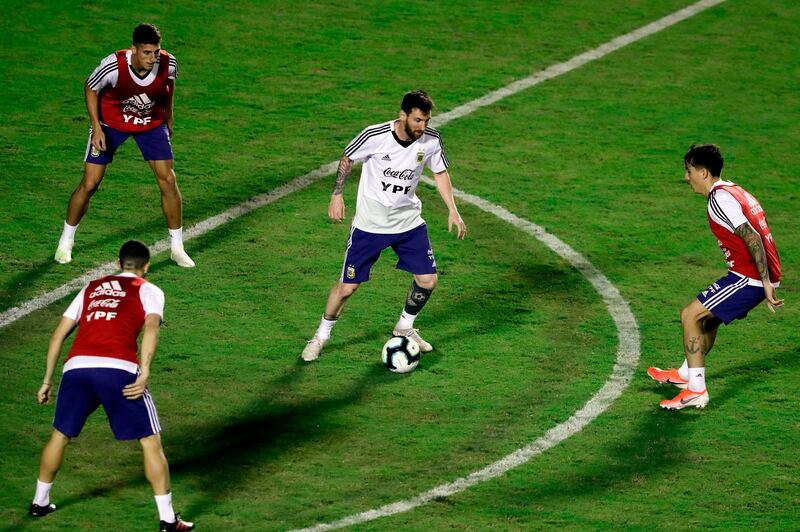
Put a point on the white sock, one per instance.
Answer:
(68, 234)
(406, 320)
(683, 371)
(42, 497)
(176, 238)
(697, 379)
(324, 330)
(165, 511)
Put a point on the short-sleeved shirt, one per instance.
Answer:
(109, 324)
(724, 209)
(107, 72)
(387, 200)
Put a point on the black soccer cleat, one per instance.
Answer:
(177, 526)
(41, 511)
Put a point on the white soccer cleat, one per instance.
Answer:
(181, 258)
(64, 253)
(312, 349)
(424, 346)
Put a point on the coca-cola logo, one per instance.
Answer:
(407, 174)
(139, 104)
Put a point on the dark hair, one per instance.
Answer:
(146, 34)
(417, 99)
(133, 255)
(705, 156)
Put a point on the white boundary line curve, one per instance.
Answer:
(9, 316)
(627, 359)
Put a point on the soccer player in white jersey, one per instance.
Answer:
(388, 213)
(130, 94)
(754, 272)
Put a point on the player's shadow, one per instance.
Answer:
(223, 459)
(488, 310)
(217, 456)
(657, 445)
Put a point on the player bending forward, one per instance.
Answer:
(388, 212)
(130, 94)
(102, 369)
(739, 223)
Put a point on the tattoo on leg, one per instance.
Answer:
(693, 345)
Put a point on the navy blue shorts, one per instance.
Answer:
(413, 249)
(83, 390)
(731, 297)
(153, 143)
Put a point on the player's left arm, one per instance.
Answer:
(169, 119)
(445, 188)
(756, 248)
(152, 327)
(62, 330)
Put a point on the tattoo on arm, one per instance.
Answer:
(345, 167)
(756, 247)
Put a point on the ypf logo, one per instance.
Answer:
(140, 107)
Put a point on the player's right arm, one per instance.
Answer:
(62, 330)
(151, 330)
(93, 107)
(105, 75)
(336, 205)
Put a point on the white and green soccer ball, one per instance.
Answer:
(400, 354)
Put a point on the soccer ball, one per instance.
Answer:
(400, 354)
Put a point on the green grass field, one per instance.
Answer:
(256, 439)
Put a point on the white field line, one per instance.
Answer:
(11, 315)
(627, 359)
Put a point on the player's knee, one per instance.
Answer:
(151, 443)
(689, 314)
(167, 180)
(89, 186)
(59, 438)
(347, 289)
(427, 282)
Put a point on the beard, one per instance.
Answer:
(411, 133)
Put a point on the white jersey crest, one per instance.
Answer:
(387, 199)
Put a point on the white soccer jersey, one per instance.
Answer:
(107, 72)
(723, 207)
(387, 199)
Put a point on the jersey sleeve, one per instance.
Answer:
(438, 160)
(365, 144)
(152, 298)
(725, 210)
(105, 75)
(173, 67)
(75, 308)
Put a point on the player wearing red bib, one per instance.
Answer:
(102, 368)
(130, 94)
(754, 271)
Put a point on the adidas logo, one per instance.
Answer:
(386, 158)
(112, 288)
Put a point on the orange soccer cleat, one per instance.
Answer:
(686, 398)
(667, 376)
